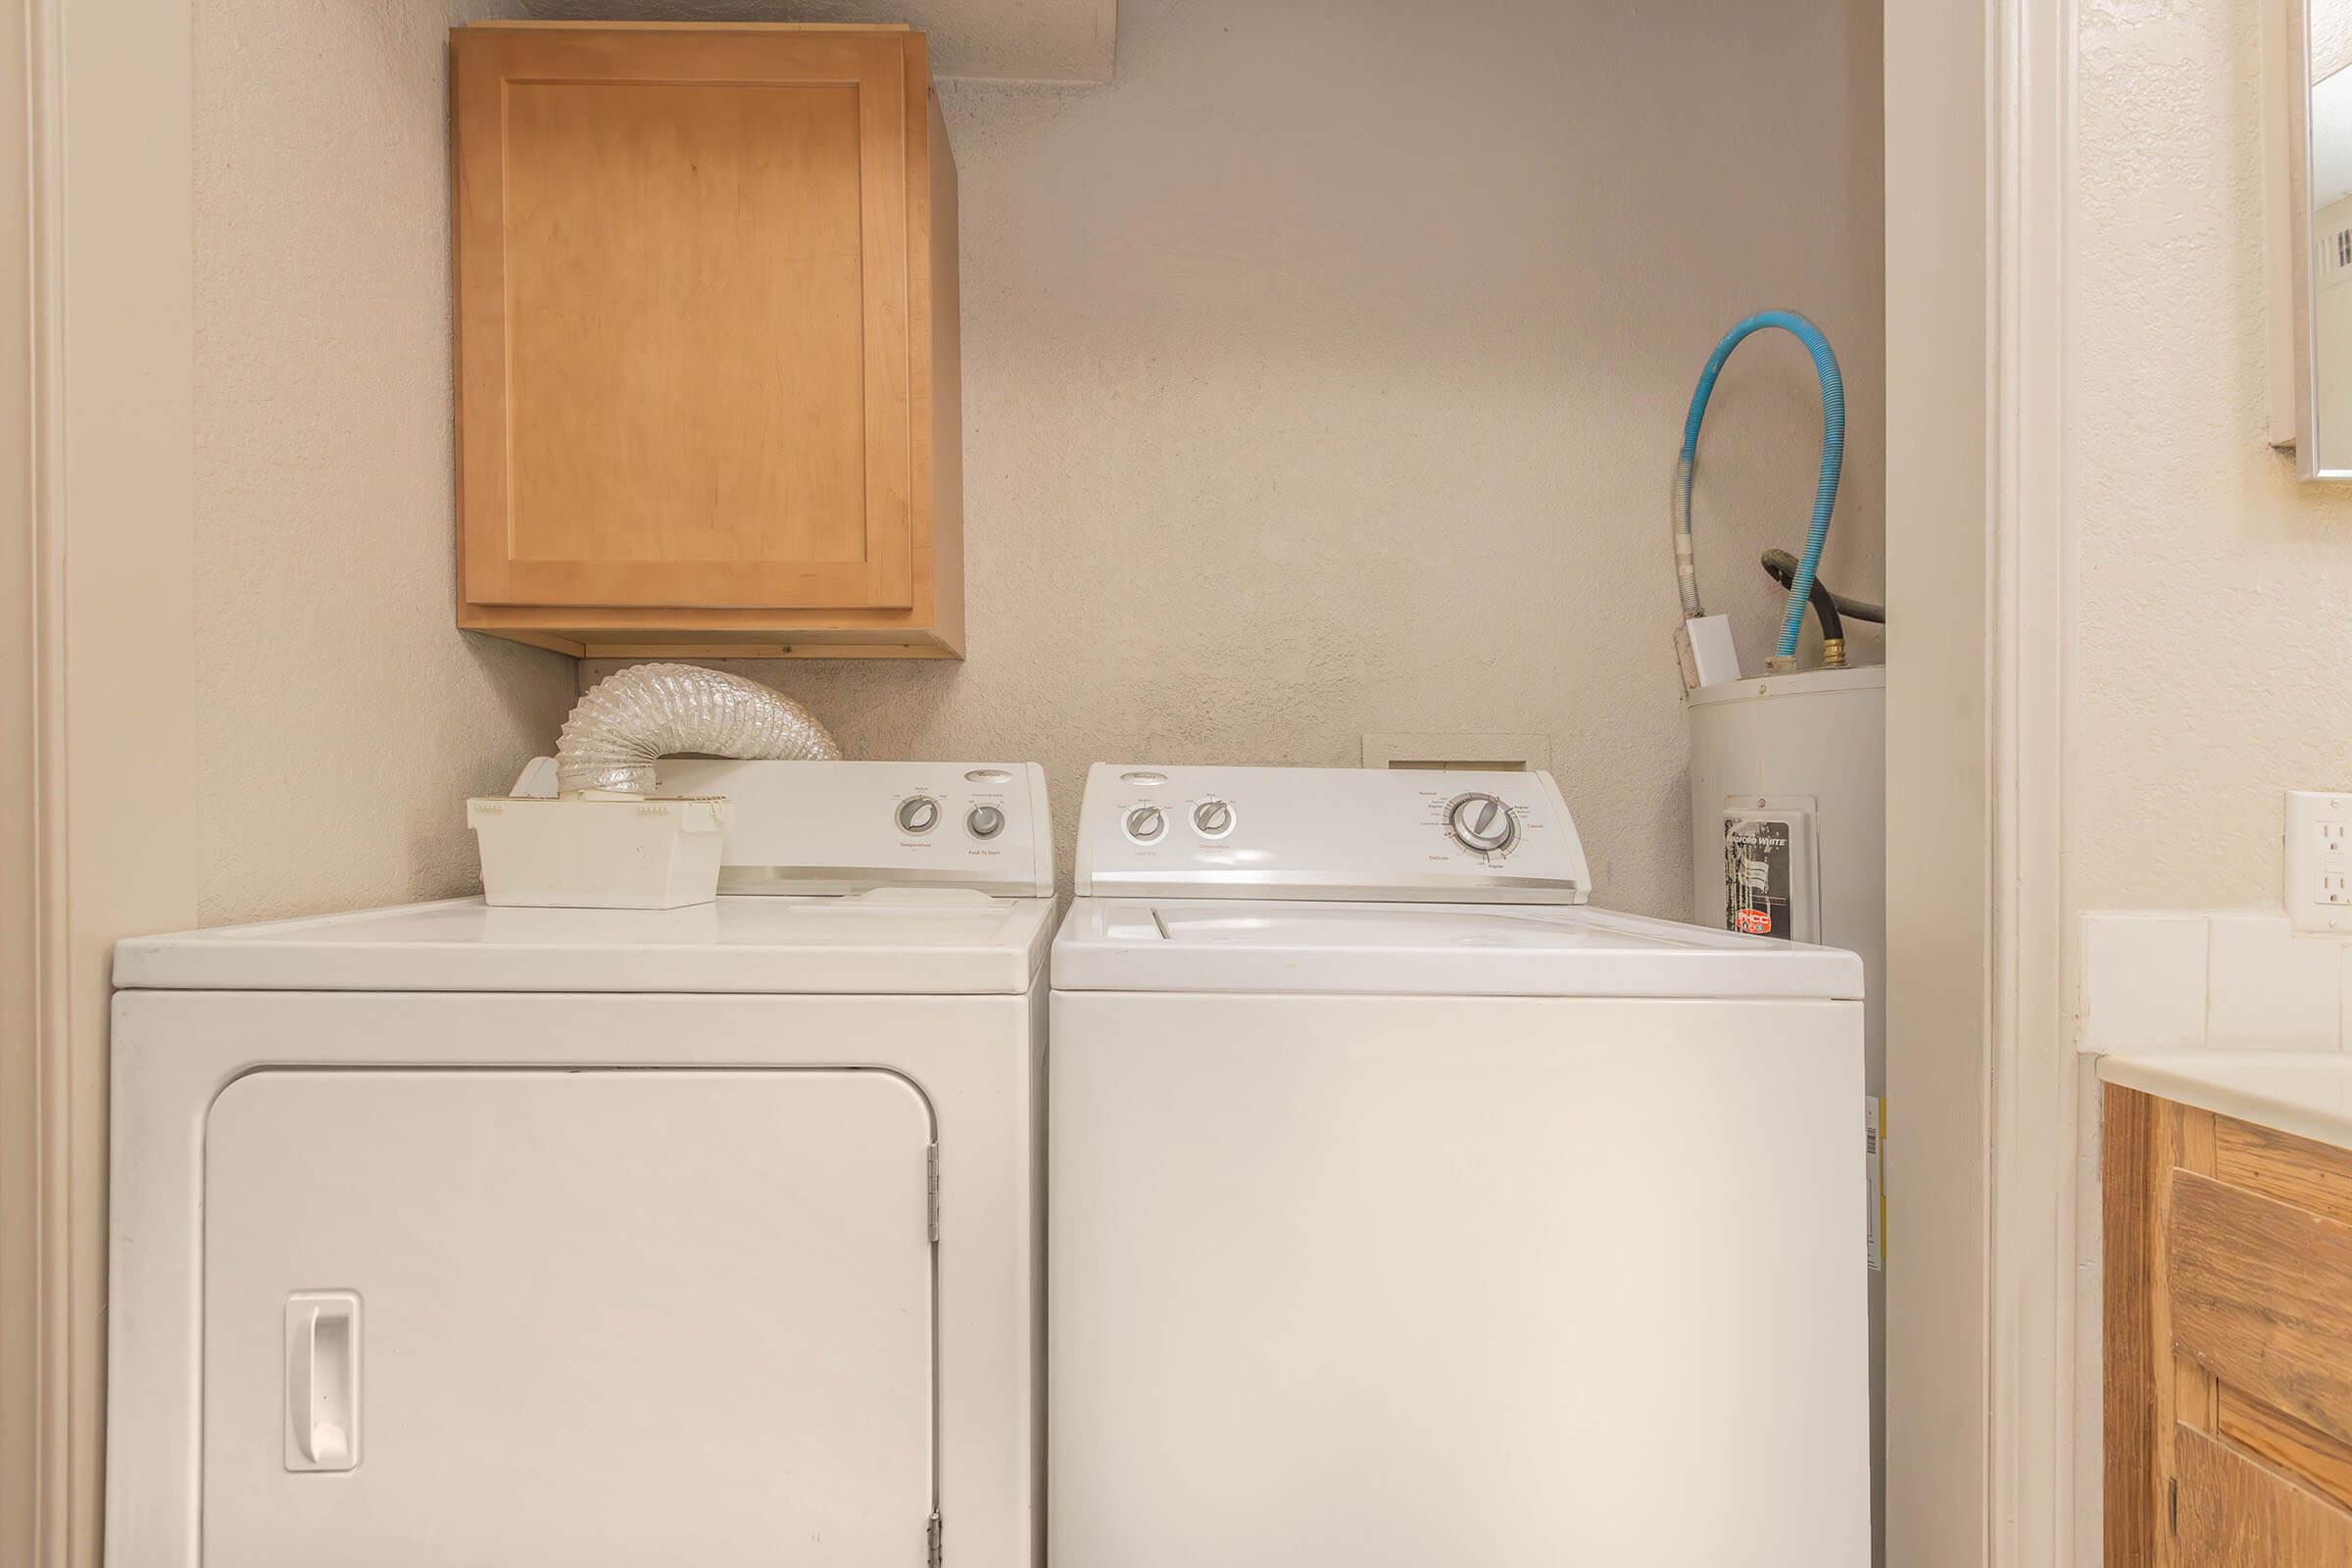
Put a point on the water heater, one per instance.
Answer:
(1789, 839)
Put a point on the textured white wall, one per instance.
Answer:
(1324, 374)
(2212, 591)
(1035, 40)
(341, 716)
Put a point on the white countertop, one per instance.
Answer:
(2306, 1093)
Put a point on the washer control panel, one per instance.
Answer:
(1425, 836)
(848, 827)
(1481, 822)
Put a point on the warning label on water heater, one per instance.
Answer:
(1758, 884)
(1873, 1155)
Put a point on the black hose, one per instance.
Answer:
(1783, 567)
(1830, 606)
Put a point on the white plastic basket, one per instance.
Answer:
(622, 853)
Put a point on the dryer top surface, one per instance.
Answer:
(892, 942)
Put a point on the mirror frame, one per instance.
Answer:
(2294, 413)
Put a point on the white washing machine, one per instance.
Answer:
(1407, 1212)
(471, 1236)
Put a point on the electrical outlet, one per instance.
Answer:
(2318, 860)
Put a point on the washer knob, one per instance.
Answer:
(1215, 819)
(984, 821)
(1145, 823)
(918, 813)
(1481, 822)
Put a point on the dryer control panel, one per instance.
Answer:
(1408, 834)
(847, 827)
(851, 827)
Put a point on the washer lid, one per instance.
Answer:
(893, 941)
(1428, 950)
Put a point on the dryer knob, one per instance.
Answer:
(984, 821)
(1145, 823)
(918, 813)
(1481, 822)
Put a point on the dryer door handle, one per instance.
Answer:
(323, 1380)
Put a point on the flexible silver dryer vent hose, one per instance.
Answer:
(635, 717)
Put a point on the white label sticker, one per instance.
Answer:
(1873, 1157)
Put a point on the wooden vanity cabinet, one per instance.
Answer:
(706, 352)
(2229, 1342)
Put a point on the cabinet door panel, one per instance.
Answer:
(2258, 1298)
(2236, 1514)
(683, 319)
(2304, 1454)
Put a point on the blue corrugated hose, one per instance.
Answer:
(1825, 493)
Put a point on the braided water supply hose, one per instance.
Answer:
(1825, 492)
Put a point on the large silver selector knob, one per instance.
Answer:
(1481, 822)
(1213, 818)
(1145, 823)
(984, 821)
(918, 813)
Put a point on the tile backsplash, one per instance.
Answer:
(2162, 980)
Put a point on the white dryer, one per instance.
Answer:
(1407, 1212)
(471, 1236)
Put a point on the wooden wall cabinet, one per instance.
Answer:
(707, 351)
(2229, 1342)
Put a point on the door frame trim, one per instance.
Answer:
(2039, 1097)
(1982, 1082)
(98, 735)
(32, 1366)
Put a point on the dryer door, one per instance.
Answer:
(601, 1317)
